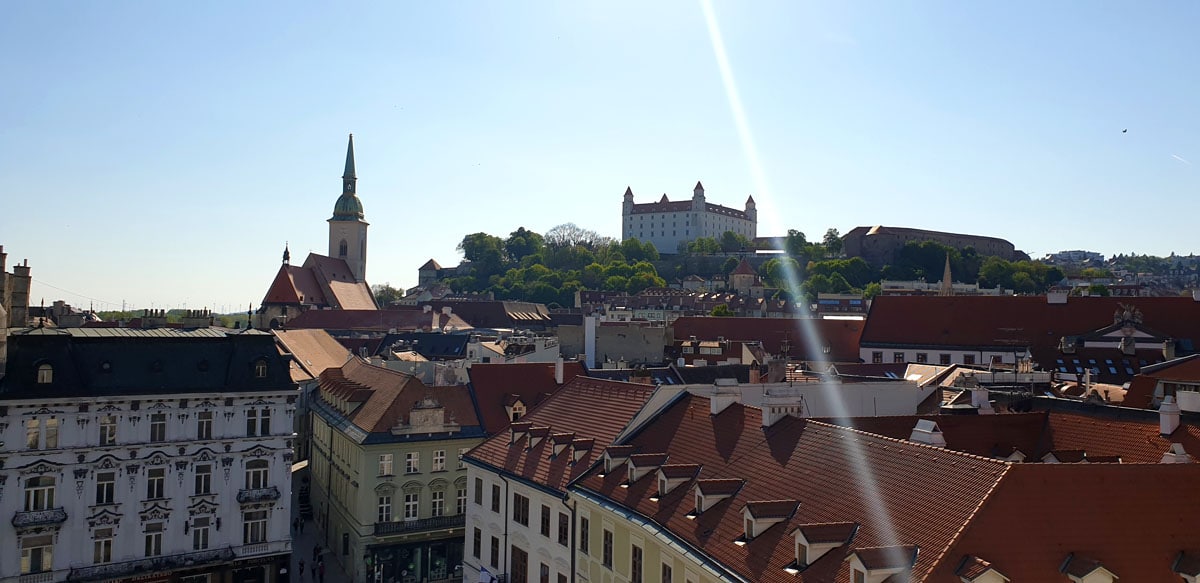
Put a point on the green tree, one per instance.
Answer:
(872, 290)
(484, 251)
(1098, 289)
(640, 281)
(385, 294)
(522, 243)
(616, 283)
(729, 265)
(721, 311)
(731, 242)
(832, 242)
(795, 244)
(703, 246)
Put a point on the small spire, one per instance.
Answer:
(287, 255)
(629, 192)
(947, 287)
(699, 187)
(349, 173)
(750, 199)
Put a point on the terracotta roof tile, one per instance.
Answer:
(495, 384)
(842, 336)
(973, 567)
(676, 471)
(719, 487)
(387, 397)
(647, 460)
(594, 409)
(771, 508)
(1080, 566)
(404, 319)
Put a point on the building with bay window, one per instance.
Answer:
(388, 487)
(156, 454)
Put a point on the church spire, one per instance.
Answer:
(349, 173)
(287, 254)
(947, 287)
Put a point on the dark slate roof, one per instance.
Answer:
(431, 345)
(90, 362)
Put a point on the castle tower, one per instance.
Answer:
(698, 197)
(751, 210)
(347, 229)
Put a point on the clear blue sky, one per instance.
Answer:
(163, 152)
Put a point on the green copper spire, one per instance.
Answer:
(349, 173)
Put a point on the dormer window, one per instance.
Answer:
(516, 410)
(260, 368)
(876, 564)
(642, 464)
(671, 476)
(45, 374)
(1080, 569)
(710, 492)
(759, 516)
(615, 456)
(976, 570)
(814, 540)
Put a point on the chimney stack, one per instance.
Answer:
(558, 370)
(1176, 455)
(725, 393)
(1168, 415)
(929, 433)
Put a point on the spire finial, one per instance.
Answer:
(287, 254)
(349, 173)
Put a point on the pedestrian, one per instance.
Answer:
(321, 570)
(301, 569)
(316, 554)
(313, 570)
(301, 519)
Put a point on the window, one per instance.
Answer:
(45, 374)
(564, 529)
(898, 357)
(544, 573)
(39, 493)
(968, 359)
(876, 357)
(585, 536)
(438, 503)
(156, 482)
(476, 542)
(439, 460)
(254, 527)
(461, 452)
(342, 247)
(999, 359)
(51, 433)
(859, 576)
(412, 501)
(158, 427)
(518, 410)
(412, 462)
(204, 422)
(106, 484)
(258, 422)
(545, 521)
(385, 509)
(519, 570)
(460, 502)
(200, 533)
(102, 546)
(495, 552)
(260, 369)
(944, 359)
(520, 512)
(667, 575)
(495, 497)
(385, 464)
(203, 479)
(562, 578)
(635, 564)
(108, 430)
(922, 358)
(256, 474)
(154, 535)
(607, 553)
(33, 434)
(479, 491)
(37, 554)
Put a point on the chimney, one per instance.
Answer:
(979, 400)
(426, 309)
(725, 393)
(929, 433)
(1168, 415)
(1176, 455)
(1168, 349)
(558, 370)
(446, 310)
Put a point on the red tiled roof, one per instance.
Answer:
(662, 207)
(387, 397)
(592, 408)
(1186, 369)
(828, 532)
(1081, 566)
(674, 471)
(405, 319)
(496, 384)
(647, 460)
(927, 493)
(771, 508)
(840, 335)
(719, 487)
(973, 567)
(322, 282)
(743, 268)
(1032, 521)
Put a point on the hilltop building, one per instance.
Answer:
(666, 224)
(336, 281)
(880, 245)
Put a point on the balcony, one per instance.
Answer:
(265, 548)
(407, 526)
(251, 495)
(28, 519)
(151, 565)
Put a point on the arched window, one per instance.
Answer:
(45, 374)
(342, 249)
(256, 474)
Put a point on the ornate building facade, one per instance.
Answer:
(667, 223)
(133, 453)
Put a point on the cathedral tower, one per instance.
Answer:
(347, 229)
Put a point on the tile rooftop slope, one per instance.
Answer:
(743, 268)
(128, 332)
(972, 567)
(841, 335)
(1141, 388)
(403, 319)
(772, 508)
(594, 409)
(928, 492)
(1038, 433)
(889, 557)
(495, 384)
(313, 350)
(321, 281)
(389, 396)
(1038, 515)
(643, 460)
(672, 471)
(719, 486)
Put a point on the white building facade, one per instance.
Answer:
(667, 224)
(163, 454)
